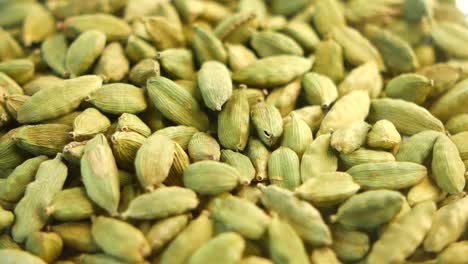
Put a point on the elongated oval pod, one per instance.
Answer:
(211, 177)
(162, 232)
(318, 158)
(234, 121)
(46, 245)
(284, 168)
(84, 51)
(229, 245)
(268, 123)
(259, 155)
(71, 205)
(207, 47)
(177, 63)
(11, 256)
(215, 84)
(114, 28)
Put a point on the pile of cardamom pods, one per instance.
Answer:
(233, 132)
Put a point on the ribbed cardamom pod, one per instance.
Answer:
(114, 28)
(177, 63)
(319, 90)
(207, 47)
(164, 33)
(452, 102)
(271, 43)
(426, 190)
(236, 28)
(179, 134)
(125, 146)
(211, 177)
(348, 139)
(318, 158)
(410, 87)
(449, 36)
(363, 155)
(348, 244)
(88, 124)
(285, 98)
(312, 115)
(202, 146)
(46, 139)
(259, 155)
(132, 123)
(267, 122)
(457, 124)
(138, 49)
(328, 15)
(239, 56)
(297, 135)
(284, 168)
(418, 147)
(241, 163)
(444, 75)
(303, 34)
(215, 84)
(118, 98)
(84, 51)
(329, 60)
(229, 244)
(20, 70)
(144, 70)
(71, 205)
(383, 135)
(46, 245)
(54, 52)
(234, 121)
(113, 64)
(365, 77)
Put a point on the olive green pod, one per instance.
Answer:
(285, 98)
(88, 124)
(14, 186)
(454, 253)
(211, 177)
(202, 146)
(410, 87)
(241, 216)
(461, 141)
(177, 63)
(54, 52)
(6, 242)
(10, 154)
(350, 108)
(179, 134)
(303, 34)
(12, 256)
(324, 255)
(125, 146)
(348, 139)
(131, 244)
(319, 90)
(118, 98)
(285, 246)
(241, 163)
(132, 123)
(259, 155)
(164, 33)
(76, 236)
(426, 54)
(96, 259)
(444, 75)
(215, 84)
(175, 103)
(152, 118)
(214, 12)
(73, 152)
(404, 235)
(138, 49)
(165, 230)
(8, 87)
(10, 48)
(41, 82)
(363, 155)
(154, 160)
(369, 210)
(197, 233)
(58, 100)
(84, 51)
(47, 246)
(327, 189)
(114, 28)
(20, 70)
(284, 168)
(13, 103)
(227, 246)
(383, 135)
(297, 135)
(113, 64)
(408, 118)
(6, 218)
(329, 60)
(29, 212)
(143, 70)
(37, 26)
(71, 205)
(271, 43)
(302, 216)
(312, 115)
(418, 147)
(388, 175)
(99, 174)
(267, 122)
(451, 103)
(447, 166)
(450, 37)
(46, 139)
(349, 244)
(239, 56)
(234, 121)
(457, 124)
(236, 28)
(327, 16)
(207, 47)
(260, 73)
(318, 158)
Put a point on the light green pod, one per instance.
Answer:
(454, 253)
(197, 233)
(132, 245)
(207, 47)
(285, 98)
(327, 189)
(448, 168)
(114, 28)
(267, 122)
(138, 49)
(165, 230)
(318, 158)
(408, 118)
(288, 9)
(214, 12)
(270, 43)
(11, 155)
(260, 73)
(29, 215)
(426, 54)
(350, 108)
(397, 54)
(255, 260)
(369, 210)
(84, 51)
(8, 86)
(328, 15)
(132, 123)
(254, 96)
(236, 28)
(389, 175)
(179, 134)
(46, 139)
(227, 246)
(301, 215)
(5, 117)
(202, 146)
(153, 171)
(259, 155)
(284, 168)
(329, 60)
(303, 34)
(54, 52)
(14, 186)
(363, 155)
(9, 48)
(297, 135)
(175, 103)
(241, 216)
(241, 163)
(99, 174)
(64, 120)
(211, 177)
(6, 218)
(192, 87)
(12, 256)
(426, 190)
(348, 139)
(113, 64)
(125, 146)
(357, 49)
(451, 103)
(88, 124)
(444, 75)
(144, 70)
(365, 77)
(20, 70)
(215, 84)
(177, 63)
(77, 236)
(37, 26)
(285, 246)
(164, 33)
(383, 135)
(73, 152)
(457, 124)
(312, 115)
(47, 246)
(71, 205)
(118, 98)
(6, 242)
(404, 235)
(324, 255)
(410, 87)
(448, 224)
(461, 141)
(418, 147)
(161, 203)
(234, 121)
(56, 101)
(349, 244)
(14, 102)
(97, 259)
(319, 89)
(239, 56)
(449, 36)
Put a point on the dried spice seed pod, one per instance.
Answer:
(241, 163)
(270, 43)
(47, 246)
(71, 205)
(318, 158)
(319, 90)
(215, 84)
(177, 63)
(329, 60)
(363, 155)
(268, 123)
(284, 168)
(347, 140)
(383, 135)
(297, 135)
(207, 47)
(211, 177)
(202, 146)
(114, 28)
